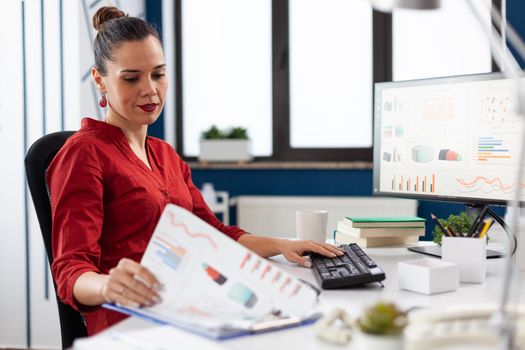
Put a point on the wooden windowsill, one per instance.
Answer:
(283, 165)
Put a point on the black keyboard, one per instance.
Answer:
(352, 269)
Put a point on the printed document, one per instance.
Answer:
(212, 282)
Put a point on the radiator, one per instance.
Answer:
(275, 215)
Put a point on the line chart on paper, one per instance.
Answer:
(188, 232)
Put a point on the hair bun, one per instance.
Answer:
(105, 14)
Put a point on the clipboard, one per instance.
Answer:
(273, 323)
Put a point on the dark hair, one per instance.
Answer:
(115, 27)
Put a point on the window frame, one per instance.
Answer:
(281, 150)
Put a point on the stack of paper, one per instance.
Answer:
(380, 231)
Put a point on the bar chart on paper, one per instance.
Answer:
(170, 254)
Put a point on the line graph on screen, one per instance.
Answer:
(485, 185)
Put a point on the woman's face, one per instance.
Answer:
(136, 82)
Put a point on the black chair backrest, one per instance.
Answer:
(37, 161)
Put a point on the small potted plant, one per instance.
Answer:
(230, 145)
(380, 327)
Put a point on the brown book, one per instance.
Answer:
(345, 227)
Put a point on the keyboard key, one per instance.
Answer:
(328, 262)
(337, 261)
(353, 270)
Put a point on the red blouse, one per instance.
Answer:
(106, 202)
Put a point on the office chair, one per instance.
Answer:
(37, 160)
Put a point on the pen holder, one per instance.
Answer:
(470, 254)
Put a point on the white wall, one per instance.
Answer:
(12, 228)
(58, 54)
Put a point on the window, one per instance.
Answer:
(227, 70)
(443, 42)
(330, 64)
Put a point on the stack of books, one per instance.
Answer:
(379, 231)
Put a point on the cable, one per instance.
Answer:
(512, 238)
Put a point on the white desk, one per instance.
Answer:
(352, 300)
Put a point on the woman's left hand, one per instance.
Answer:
(293, 251)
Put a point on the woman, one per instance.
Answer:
(110, 182)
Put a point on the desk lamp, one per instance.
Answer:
(511, 70)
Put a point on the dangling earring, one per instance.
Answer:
(103, 102)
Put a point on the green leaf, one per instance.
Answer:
(214, 133)
(460, 222)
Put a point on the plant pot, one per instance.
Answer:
(365, 341)
(225, 150)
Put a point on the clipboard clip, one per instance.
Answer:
(283, 323)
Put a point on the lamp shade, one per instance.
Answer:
(389, 5)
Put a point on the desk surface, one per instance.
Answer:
(352, 300)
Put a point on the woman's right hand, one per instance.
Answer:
(131, 284)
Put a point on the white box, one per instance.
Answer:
(227, 150)
(470, 254)
(428, 276)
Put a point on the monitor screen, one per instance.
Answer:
(452, 139)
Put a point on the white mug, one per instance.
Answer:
(311, 224)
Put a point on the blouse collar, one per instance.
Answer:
(92, 124)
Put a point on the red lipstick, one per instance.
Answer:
(149, 107)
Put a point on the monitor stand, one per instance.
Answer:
(435, 250)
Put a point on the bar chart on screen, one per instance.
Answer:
(414, 183)
(438, 108)
(492, 149)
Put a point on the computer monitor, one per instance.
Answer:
(451, 139)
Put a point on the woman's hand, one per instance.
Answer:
(293, 251)
(131, 284)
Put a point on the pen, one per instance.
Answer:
(445, 231)
(452, 232)
(476, 222)
(459, 230)
(485, 228)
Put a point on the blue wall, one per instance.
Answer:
(299, 182)
(516, 18)
(154, 16)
